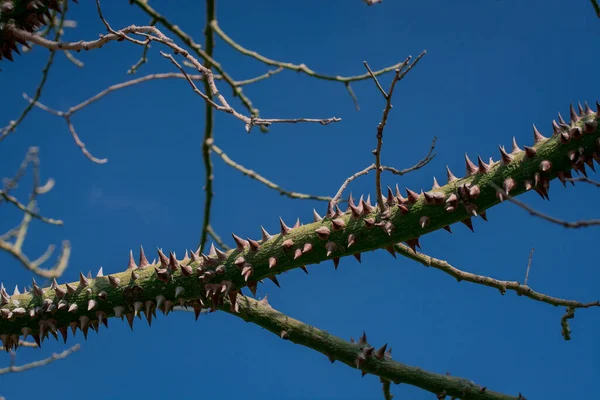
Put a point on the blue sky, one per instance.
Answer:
(492, 69)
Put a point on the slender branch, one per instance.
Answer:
(40, 363)
(359, 354)
(564, 322)
(596, 7)
(584, 179)
(502, 286)
(387, 393)
(23, 343)
(293, 67)
(34, 266)
(217, 238)
(528, 267)
(252, 174)
(535, 213)
(12, 126)
(208, 128)
(34, 214)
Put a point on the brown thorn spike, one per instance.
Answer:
(338, 224)
(357, 256)
(143, 262)
(83, 281)
(530, 151)
(506, 158)
(336, 262)
(391, 250)
(574, 116)
(323, 232)
(132, 264)
(351, 239)
(254, 245)
(580, 108)
(509, 184)
(284, 228)
(303, 268)
(447, 228)
(545, 166)
(272, 262)
(297, 253)
(164, 260)
(331, 247)
(413, 244)
(275, 281)
(424, 221)
(555, 128)
(450, 175)
(561, 120)
(483, 167)
(575, 132)
(515, 146)
(471, 168)
(380, 353)
(173, 264)
(590, 126)
(412, 196)
(537, 136)
(468, 223)
(265, 235)
(298, 224)
(92, 304)
(436, 185)
(240, 243)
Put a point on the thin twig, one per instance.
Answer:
(596, 7)
(528, 267)
(38, 92)
(34, 214)
(387, 393)
(502, 286)
(583, 179)
(40, 363)
(217, 238)
(252, 174)
(535, 213)
(564, 322)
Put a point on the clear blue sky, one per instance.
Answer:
(492, 69)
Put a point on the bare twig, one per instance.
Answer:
(564, 322)
(400, 73)
(535, 213)
(420, 164)
(217, 238)
(23, 343)
(387, 393)
(34, 214)
(583, 179)
(40, 363)
(596, 7)
(528, 267)
(38, 92)
(502, 286)
(252, 174)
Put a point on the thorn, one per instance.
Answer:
(272, 262)
(564, 137)
(380, 353)
(515, 146)
(303, 268)
(298, 224)
(575, 132)
(436, 185)
(73, 308)
(537, 136)
(450, 175)
(391, 250)
(240, 243)
(545, 166)
(173, 264)
(336, 262)
(287, 244)
(254, 245)
(252, 286)
(265, 235)
(574, 116)
(164, 261)
(70, 288)
(273, 278)
(506, 158)
(561, 120)
(331, 247)
(129, 317)
(179, 291)
(83, 281)
(509, 184)
(468, 223)
(363, 339)
(323, 232)
(412, 196)
(471, 168)
(307, 247)
(413, 244)
(132, 264)
(555, 128)
(357, 256)
(483, 167)
(424, 221)
(284, 228)
(143, 263)
(338, 224)
(447, 227)
(297, 253)
(351, 239)
(530, 151)
(369, 222)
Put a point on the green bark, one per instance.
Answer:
(209, 279)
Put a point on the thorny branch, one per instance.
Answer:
(360, 355)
